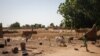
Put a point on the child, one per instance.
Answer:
(85, 42)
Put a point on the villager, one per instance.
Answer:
(85, 42)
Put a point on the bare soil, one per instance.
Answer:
(49, 46)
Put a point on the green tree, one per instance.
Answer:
(37, 26)
(81, 13)
(43, 26)
(26, 26)
(52, 25)
(15, 25)
(33, 26)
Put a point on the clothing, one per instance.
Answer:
(85, 40)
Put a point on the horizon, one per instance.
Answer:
(30, 12)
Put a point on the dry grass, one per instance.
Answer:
(46, 49)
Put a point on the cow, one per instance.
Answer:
(28, 34)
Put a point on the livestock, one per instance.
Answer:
(60, 40)
(28, 34)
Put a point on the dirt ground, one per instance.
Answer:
(49, 46)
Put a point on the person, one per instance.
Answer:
(85, 42)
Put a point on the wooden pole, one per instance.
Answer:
(1, 31)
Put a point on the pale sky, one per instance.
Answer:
(30, 12)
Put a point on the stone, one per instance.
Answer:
(5, 52)
(15, 50)
(8, 39)
(40, 43)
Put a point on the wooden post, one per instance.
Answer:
(1, 31)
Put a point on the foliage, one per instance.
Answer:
(52, 25)
(80, 13)
(26, 26)
(15, 25)
(33, 26)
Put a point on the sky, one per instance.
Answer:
(30, 12)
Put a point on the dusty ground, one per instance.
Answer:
(49, 46)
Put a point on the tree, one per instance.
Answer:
(43, 26)
(26, 26)
(80, 13)
(15, 25)
(52, 25)
(33, 26)
(37, 25)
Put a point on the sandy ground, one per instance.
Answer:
(69, 51)
(50, 48)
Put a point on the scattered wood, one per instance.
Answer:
(2, 45)
(97, 45)
(9, 32)
(5, 52)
